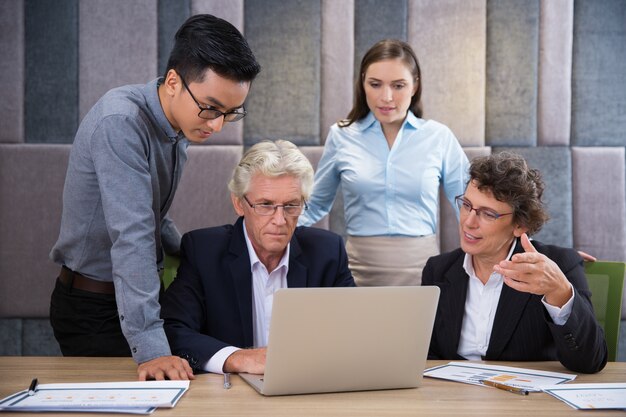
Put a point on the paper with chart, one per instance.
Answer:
(472, 373)
(136, 397)
(609, 396)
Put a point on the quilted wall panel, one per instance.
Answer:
(51, 89)
(450, 38)
(12, 47)
(512, 43)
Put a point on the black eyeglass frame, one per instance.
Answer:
(489, 215)
(274, 207)
(230, 116)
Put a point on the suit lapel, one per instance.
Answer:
(242, 279)
(510, 308)
(297, 275)
(452, 305)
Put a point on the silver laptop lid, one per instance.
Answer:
(348, 339)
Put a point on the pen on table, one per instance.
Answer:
(227, 380)
(514, 390)
(33, 387)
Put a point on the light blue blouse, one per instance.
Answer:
(388, 192)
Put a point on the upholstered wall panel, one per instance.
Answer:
(12, 71)
(51, 89)
(10, 337)
(233, 12)
(555, 166)
(171, 14)
(38, 338)
(117, 46)
(373, 23)
(450, 38)
(554, 95)
(337, 62)
(599, 202)
(202, 198)
(285, 100)
(599, 73)
(448, 223)
(512, 43)
(314, 154)
(31, 186)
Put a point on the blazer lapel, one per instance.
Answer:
(452, 304)
(510, 308)
(297, 274)
(242, 279)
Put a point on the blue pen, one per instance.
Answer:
(33, 387)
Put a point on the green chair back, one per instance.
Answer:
(606, 282)
(170, 267)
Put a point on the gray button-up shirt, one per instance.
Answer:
(124, 168)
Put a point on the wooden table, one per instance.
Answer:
(207, 397)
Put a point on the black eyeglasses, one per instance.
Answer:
(291, 210)
(209, 113)
(484, 214)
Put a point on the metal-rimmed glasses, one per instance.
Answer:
(484, 214)
(210, 113)
(291, 210)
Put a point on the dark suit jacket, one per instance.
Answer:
(522, 329)
(209, 304)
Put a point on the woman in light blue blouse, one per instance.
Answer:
(390, 163)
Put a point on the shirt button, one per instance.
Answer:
(122, 317)
(134, 350)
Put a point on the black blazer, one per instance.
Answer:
(209, 304)
(522, 329)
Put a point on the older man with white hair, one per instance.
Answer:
(218, 309)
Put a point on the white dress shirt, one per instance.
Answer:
(264, 285)
(480, 310)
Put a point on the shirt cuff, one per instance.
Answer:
(560, 315)
(216, 363)
(148, 345)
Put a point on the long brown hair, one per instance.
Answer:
(381, 51)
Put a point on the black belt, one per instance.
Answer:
(75, 280)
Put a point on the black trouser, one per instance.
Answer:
(86, 323)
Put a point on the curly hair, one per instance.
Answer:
(507, 176)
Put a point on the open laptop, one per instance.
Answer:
(347, 339)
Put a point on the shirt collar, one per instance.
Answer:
(151, 93)
(468, 266)
(254, 259)
(368, 121)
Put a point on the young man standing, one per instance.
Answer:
(124, 168)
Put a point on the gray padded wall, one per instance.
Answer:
(232, 11)
(51, 104)
(512, 43)
(31, 184)
(202, 198)
(314, 153)
(286, 38)
(109, 56)
(556, 169)
(599, 74)
(12, 68)
(449, 38)
(554, 95)
(337, 63)
(373, 23)
(171, 14)
(599, 212)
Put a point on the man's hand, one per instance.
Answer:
(251, 361)
(170, 367)
(535, 273)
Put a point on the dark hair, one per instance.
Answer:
(381, 51)
(507, 176)
(208, 42)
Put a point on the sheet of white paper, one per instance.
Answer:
(611, 396)
(472, 373)
(138, 395)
